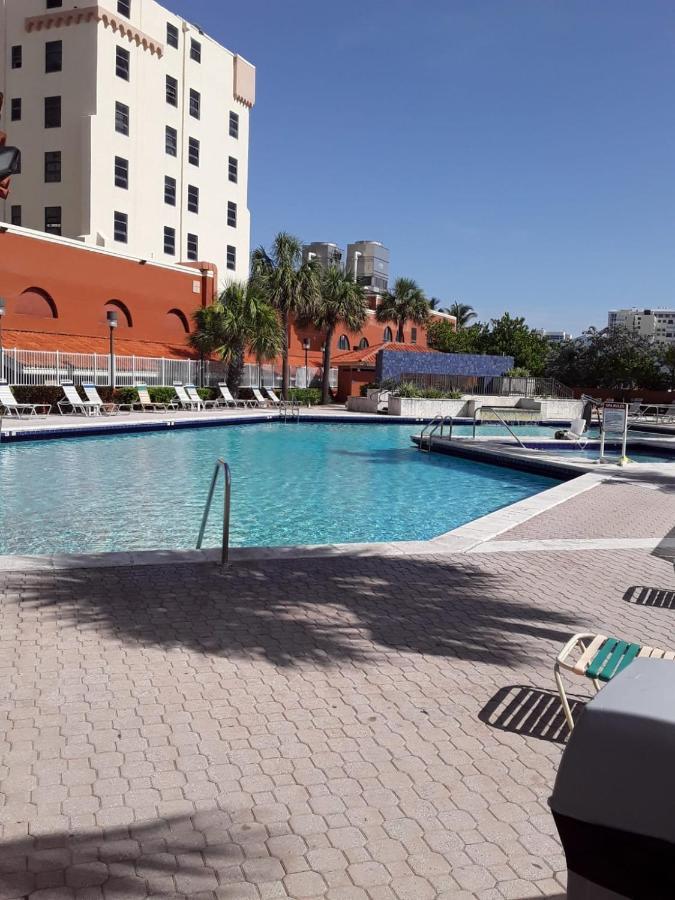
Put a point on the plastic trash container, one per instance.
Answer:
(614, 796)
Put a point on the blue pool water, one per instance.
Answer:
(292, 484)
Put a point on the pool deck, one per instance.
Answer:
(372, 722)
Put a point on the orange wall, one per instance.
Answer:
(81, 282)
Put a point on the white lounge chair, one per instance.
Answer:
(184, 400)
(194, 396)
(229, 400)
(146, 404)
(76, 403)
(599, 658)
(107, 409)
(258, 399)
(273, 397)
(13, 408)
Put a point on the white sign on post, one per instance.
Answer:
(615, 421)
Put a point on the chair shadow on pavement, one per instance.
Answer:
(530, 712)
(650, 596)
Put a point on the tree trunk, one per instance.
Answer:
(325, 380)
(235, 372)
(286, 369)
(400, 336)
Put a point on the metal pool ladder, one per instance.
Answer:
(431, 428)
(289, 408)
(225, 549)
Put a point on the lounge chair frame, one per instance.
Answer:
(76, 404)
(12, 407)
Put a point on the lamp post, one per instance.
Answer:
(305, 346)
(2, 358)
(112, 325)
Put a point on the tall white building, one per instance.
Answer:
(657, 325)
(133, 127)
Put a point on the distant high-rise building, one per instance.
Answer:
(555, 337)
(369, 262)
(656, 325)
(326, 253)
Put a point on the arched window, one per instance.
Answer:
(388, 336)
(363, 343)
(177, 322)
(35, 301)
(125, 319)
(343, 343)
(413, 335)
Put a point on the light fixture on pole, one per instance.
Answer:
(2, 358)
(112, 325)
(306, 344)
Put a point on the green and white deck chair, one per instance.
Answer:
(577, 432)
(193, 395)
(228, 399)
(184, 401)
(77, 405)
(146, 404)
(599, 658)
(273, 397)
(258, 399)
(12, 407)
(108, 409)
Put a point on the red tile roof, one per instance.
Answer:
(366, 356)
(68, 343)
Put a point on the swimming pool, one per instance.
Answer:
(291, 484)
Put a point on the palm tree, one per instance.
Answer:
(462, 312)
(342, 302)
(288, 284)
(435, 303)
(240, 319)
(405, 303)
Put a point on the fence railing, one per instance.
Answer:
(51, 367)
(495, 385)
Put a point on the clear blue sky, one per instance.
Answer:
(514, 154)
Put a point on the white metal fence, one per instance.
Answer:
(51, 367)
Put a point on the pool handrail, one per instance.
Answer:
(432, 427)
(225, 547)
(493, 410)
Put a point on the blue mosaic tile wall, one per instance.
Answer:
(395, 363)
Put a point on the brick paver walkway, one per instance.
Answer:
(347, 728)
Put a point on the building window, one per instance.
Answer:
(17, 56)
(233, 169)
(169, 241)
(231, 257)
(15, 215)
(234, 124)
(171, 141)
(195, 104)
(16, 109)
(52, 112)
(171, 35)
(343, 343)
(192, 247)
(124, 7)
(232, 214)
(122, 63)
(388, 336)
(195, 50)
(171, 91)
(54, 4)
(193, 198)
(169, 190)
(53, 56)
(193, 151)
(53, 219)
(363, 344)
(121, 118)
(121, 227)
(413, 335)
(53, 166)
(121, 172)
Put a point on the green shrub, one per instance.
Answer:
(306, 396)
(162, 394)
(125, 395)
(517, 372)
(363, 390)
(410, 390)
(38, 393)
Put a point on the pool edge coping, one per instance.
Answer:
(463, 539)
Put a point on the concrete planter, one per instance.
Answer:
(425, 409)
